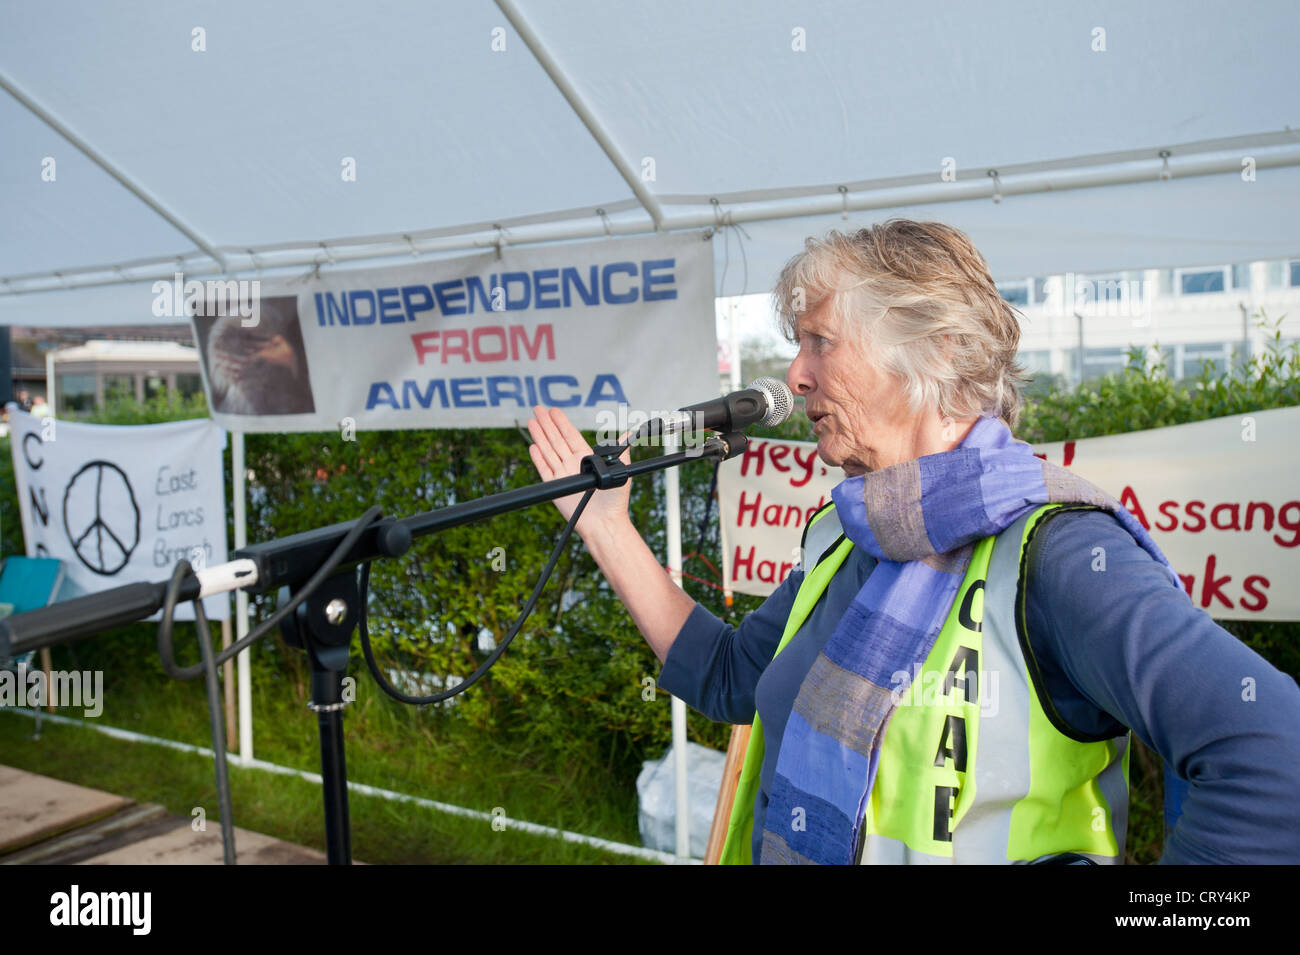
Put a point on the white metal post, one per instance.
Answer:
(682, 812)
(239, 471)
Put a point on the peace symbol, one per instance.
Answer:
(101, 517)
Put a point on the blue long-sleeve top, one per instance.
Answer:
(1118, 649)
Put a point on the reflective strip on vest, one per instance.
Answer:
(954, 783)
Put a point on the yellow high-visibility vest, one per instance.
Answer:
(972, 768)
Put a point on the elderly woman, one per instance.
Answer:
(953, 674)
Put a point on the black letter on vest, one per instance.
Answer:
(963, 616)
(967, 660)
(943, 800)
(956, 727)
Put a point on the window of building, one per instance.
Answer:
(1201, 281)
(1293, 274)
(154, 385)
(188, 384)
(1017, 293)
(119, 386)
(1099, 362)
(1037, 362)
(1191, 360)
(76, 393)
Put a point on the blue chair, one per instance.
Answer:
(29, 583)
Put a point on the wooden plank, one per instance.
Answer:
(727, 792)
(34, 808)
(125, 826)
(184, 846)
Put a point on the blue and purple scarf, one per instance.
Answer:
(921, 520)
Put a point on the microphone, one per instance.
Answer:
(765, 401)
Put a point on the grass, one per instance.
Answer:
(390, 746)
(420, 752)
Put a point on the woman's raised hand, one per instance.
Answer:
(557, 451)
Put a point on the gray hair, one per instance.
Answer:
(921, 296)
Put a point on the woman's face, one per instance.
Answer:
(859, 413)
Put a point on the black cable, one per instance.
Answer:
(209, 663)
(364, 586)
(322, 574)
(179, 573)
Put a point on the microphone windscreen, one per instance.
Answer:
(780, 399)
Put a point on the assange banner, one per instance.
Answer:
(765, 496)
(119, 505)
(472, 342)
(1221, 499)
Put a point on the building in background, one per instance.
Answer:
(84, 376)
(142, 368)
(1079, 327)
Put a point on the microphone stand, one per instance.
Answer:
(323, 624)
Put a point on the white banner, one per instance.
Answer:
(120, 505)
(765, 496)
(470, 342)
(1220, 498)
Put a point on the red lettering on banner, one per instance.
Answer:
(1291, 524)
(1216, 588)
(1068, 454)
(809, 512)
(1130, 501)
(519, 336)
(778, 516)
(755, 453)
(1224, 516)
(1212, 587)
(747, 563)
(425, 342)
(752, 508)
(1233, 509)
(1172, 518)
(1264, 506)
(480, 353)
(755, 511)
(487, 344)
(807, 463)
(778, 454)
(461, 346)
(1248, 585)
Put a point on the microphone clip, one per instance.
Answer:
(609, 473)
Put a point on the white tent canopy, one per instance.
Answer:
(472, 123)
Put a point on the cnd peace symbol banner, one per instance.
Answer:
(601, 329)
(122, 504)
(1220, 498)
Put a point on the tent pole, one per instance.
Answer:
(579, 106)
(104, 163)
(739, 210)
